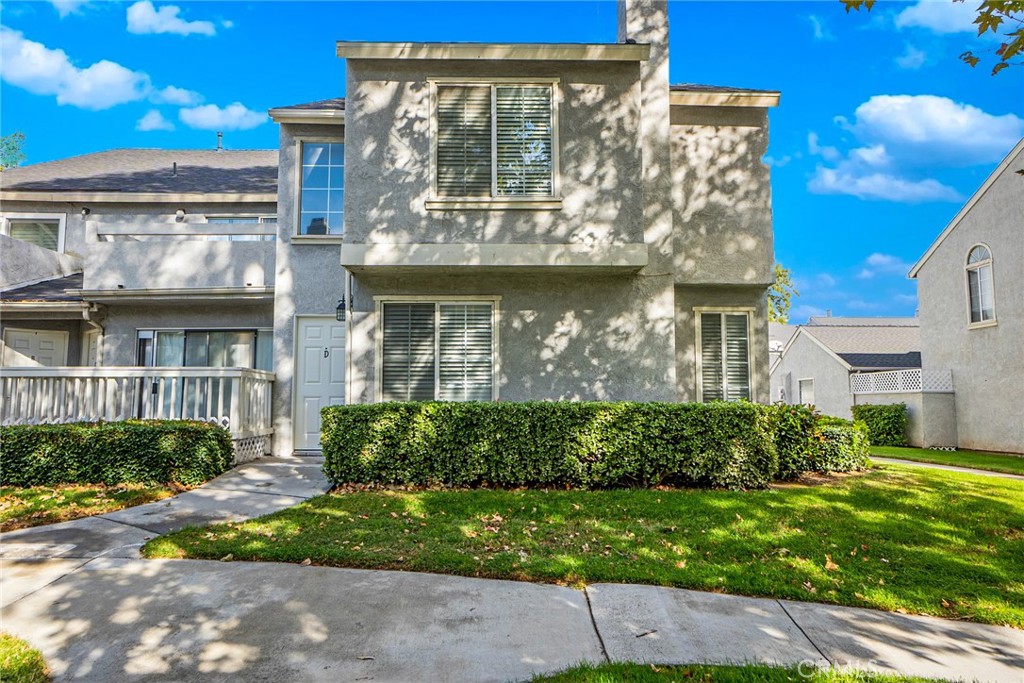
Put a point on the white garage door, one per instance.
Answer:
(319, 375)
(34, 348)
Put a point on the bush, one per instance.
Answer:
(793, 427)
(144, 451)
(840, 445)
(887, 423)
(578, 444)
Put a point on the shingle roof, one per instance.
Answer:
(48, 290)
(335, 104)
(152, 170)
(871, 346)
(835, 321)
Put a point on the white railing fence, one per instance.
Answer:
(902, 382)
(236, 398)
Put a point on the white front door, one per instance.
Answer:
(34, 348)
(319, 375)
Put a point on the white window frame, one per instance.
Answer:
(378, 305)
(297, 237)
(751, 367)
(968, 267)
(552, 201)
(152, 332)
(61, 218)
(800, 391)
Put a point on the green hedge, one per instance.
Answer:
(887, 423)
(794, 434)
(160, 451)
(839, 445)
(578, 444)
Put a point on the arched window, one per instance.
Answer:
(979, 285)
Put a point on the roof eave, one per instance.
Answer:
(136, 197)
(725, 98)
(608, 52)
(318, 116)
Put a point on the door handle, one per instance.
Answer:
(327, 352)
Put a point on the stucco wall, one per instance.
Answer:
(560, 337)
(309, 278)
(686, 299)
(388, 170)
(931, 418)
(987, 363)
(179, 264)
(123, 321)
(721, 195)
(24, 262)
(806, 360)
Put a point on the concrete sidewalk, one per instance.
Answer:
(947, 468)
(80, 593)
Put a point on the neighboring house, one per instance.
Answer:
(779, 335)
(818, 362)
(473, 222)
(971, 293)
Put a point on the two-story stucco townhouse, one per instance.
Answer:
(472, 222)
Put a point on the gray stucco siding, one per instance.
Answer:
(388, 156)
(560, 336)
(721, 201)
(988, 362)
(805, 359)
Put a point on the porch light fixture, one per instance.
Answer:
(339, 312)
(179, 215)
(86, 211)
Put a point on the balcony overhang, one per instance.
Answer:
(184, 295)
(497, 257)
(55, 310)
(591, 52)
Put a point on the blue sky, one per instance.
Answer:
(880, 137)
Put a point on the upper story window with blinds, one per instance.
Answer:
(495, 140)
(42, 230)
(723, 348)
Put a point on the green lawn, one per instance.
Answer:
(893, 538)
(699, 673)
(35, 505)
(996, 462)
(20, 662)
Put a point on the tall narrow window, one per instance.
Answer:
(495, 141)
(437, 351)
(322, 194)
(980, 292)
(724, 347)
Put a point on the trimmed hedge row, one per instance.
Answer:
(887, 423)
(149, 451)
(841, 445)
(584, 445)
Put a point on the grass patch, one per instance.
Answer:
(701, 673)
(893, 538)
(20, 662)
(995, 462)
(35, 505)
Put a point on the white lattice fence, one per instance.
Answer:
(902, 382)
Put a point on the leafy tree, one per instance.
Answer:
(1004, 17)
(780, 295)
(10, 150)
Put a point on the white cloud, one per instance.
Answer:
(865, 274)
(847, 178)
(940, 16)
(827, 153)
(153, 120)
(819, 28)
(143, 18)
(178, 96)
(826, 280)
(232, 117)
(43, 71)
(66, 7)
(933, 130)
(912, 58)
(803, 312)
(882, 264)
(777, 163)
(861, 305)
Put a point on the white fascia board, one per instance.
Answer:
(186, 294)
(725, 98)
(1003, 165)
(317, 116)
(138, 197)
(608, 52)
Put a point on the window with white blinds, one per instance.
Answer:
(724, 348)
(41, 231)
(980, 292)
(495, 141)
(437, 351)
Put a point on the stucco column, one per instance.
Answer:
(646, 21)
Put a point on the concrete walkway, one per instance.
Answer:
(80, 593)
(948, 468)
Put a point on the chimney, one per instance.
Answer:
(828, 312)
(220, 140)
(174, 168)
